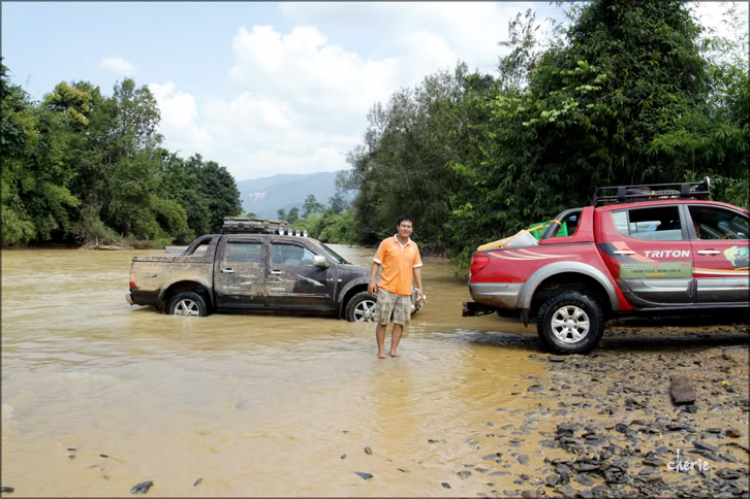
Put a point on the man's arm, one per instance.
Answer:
(372, 288)
(418, 279)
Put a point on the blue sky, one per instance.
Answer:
(260, 87)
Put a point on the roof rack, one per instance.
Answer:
(618, 194)
(235, 225)
(238, 225)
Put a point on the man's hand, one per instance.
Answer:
(372, 288)
(420, 294)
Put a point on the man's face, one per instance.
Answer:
(405, 228)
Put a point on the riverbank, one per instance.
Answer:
(158, 244)
(605, 424)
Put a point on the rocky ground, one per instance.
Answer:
(606, 425)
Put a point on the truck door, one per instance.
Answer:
(239, 273)
(651, 255)
(293, 280)
(719, 239)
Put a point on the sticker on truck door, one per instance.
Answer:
(656, 270)
(738, 256)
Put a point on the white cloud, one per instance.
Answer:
(118, 65)
(300, 97)
(179, 120)
(307, 71)
(471, 30)
(178, 109)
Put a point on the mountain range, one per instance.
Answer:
(265, 196)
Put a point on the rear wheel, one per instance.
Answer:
(571, 322)
(189, 304)
(361, 308)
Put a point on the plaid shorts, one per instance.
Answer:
(393, 308)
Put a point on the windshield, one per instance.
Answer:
(333, 254)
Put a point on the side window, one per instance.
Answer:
(569, 224)
(717, 223)
(566, 226)
(244, 252)
(620, 218)
(659, 223)
(291, 254)
(201, 249)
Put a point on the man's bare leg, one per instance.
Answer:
(380, 336)
(398, 330)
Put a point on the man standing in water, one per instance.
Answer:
(399, 257)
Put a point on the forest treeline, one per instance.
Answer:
(81, 167)
(627, 92)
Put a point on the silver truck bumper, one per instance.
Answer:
(496, 294)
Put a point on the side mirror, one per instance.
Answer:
(320, 261)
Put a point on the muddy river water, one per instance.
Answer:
(98, 396)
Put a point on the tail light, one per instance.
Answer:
(478, 262)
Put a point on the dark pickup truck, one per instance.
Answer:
(245, 272)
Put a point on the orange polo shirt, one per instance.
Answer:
(398, 263)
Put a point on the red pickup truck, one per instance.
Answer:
(658, 249)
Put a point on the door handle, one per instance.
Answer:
(708, 252)
(624, 252)
(276, 272)
(228, 271)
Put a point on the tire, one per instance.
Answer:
(570, 322)
(189, 304)
(361, 308)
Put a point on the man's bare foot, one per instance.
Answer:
(381, 356)
(393, 355)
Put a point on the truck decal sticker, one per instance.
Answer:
(724, 272)
(531, 253)
(656, 270)
(510, 255)
(738, 256)
(623, 246)
(667, 253)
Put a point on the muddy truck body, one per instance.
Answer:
(253, 272)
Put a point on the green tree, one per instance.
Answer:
(405, 163)
(84, 166)
(622, 74)
(217, 186)
(311, 206)
(17, 136)
(293, 215)
(338, 203)
(179, 184)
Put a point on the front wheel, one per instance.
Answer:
(570, 322)
(361, 308)
(189, 304)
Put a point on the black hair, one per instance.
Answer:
(405, 218)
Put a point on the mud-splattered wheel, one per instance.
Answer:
(188, 304)
(361, 308)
